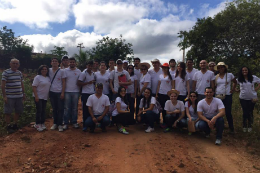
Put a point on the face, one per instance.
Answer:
(54, 62)
(209, 93)
(172, 64)
(203, 64)
(125, 65)
(165, 69)
(221, 68)
(189, 64)
(173, 96)
(103, 66)
(156, 64)
(65, 62)
(130, 69)
(111, 63)
(179, 68)
(89, 67)
(119, 64)
(14, 65)
(99, 90)
(44, 71)
(136, 62)
(95, 64)
(245, 71)
(147, 93)
(143, 70)
(211, 67)
(193, 97)
(123, 92)
(72, 63)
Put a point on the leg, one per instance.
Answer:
(162, 99)
(105, 121)
(245, 111)
(251, 116)
(60, 110)
(228, 108)
(74, 107)
(54, 105)
(67, 108)
(84, 98)
(150, 115)
(44, 102)
(90, 123)
(138, 99)
(182, 123)
(18, 109)
(203, 125)
(8, 109)
(169, 120)
(38, 111)
(219, 127)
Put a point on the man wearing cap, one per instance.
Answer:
(98, 106)
(210, 112)
(86, 81)
(138, 74)
(114, 78)
(125, 64)
(211, 67)
(64, 62)
(172, 64)
(202, 79)
(190, 71)
(155, 73)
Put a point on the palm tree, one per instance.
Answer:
(82, 58)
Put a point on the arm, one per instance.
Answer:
(3, 90)
(150, 108)
(188, 87)
(257, 87)
(234, 85)
(80, 83)
(173, 84)
(111, 86)
(182, 115)
(35, 93)
(212, 84)
(188, 113)
(220, 114)
(135, 86)
(118, 107)
(104, 113)
(63, 88)
(125, 83)
(157, 90)
(144, 87)
(176, 111)
(200, 115)
(91, 114)
(194, 85)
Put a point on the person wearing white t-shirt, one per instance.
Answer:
(132, 89)
(155, 73)
(103, 77)
(248, 96)
(165, 84)
(181, 82)
(138, 73)
(210, 112)
(172, 64)
(202, 79)
(148, 111)
(223, 81)
(190, 71)
(111, 64)
(86, 81)
(56, 94)
(145, 80)
(41, 85)
(98, 106)
(71, 95)
(191, 109)
(175, 111)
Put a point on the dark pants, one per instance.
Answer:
(57, 107)
(123, 119)
(131, 102)
(200, 97)
(171, 118)
(203, 125)
(149, 118)
(162, 98)
(90, 123)
(228, 108)
(138, 99)
(248, 108)
(40, 111)
(182, 98)
(110, 95)
(84, 99)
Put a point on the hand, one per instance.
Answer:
(120, 83)
(190, 119)
(138, 118)
(99, 118)
(91, 82)
(209, 124)
(36, 99)
(156, 96)
(114, 92)
(175, 124)
(139, 94)
(62, 96)
(231, 91)
(237, 90)
(212, 122)
(5, 99)
(94, 120)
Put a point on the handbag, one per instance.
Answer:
(122, 78)
(221, 96)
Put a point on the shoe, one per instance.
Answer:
(123, 130)
(244, 130)
(149, 129)
(249, 129)
(207, 135)
(54, 126)
(190, 133)
(38, 127)
(60, 128)
(15, 127)
(65, 127)
(76, 125)
(84, 129)
(218, 141)
(167, 130)
(43, 126)
(10, 129)
(163, 126)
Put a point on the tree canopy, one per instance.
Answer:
(59, 51)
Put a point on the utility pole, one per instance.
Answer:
(80, 45)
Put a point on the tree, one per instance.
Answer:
(111, 48)
(82, 58)
(59, 51)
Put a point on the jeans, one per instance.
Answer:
(57, 107)
(40, 111)
(171, 118)
(71, 107)
(182, 98)
(248, 108)
(90, 123)
(131, 102)
(162, 98)
(138, 99)
(200, 97)
(150, 117)
(84, 99)
(203, 125)
(228, 108)
(124, 119)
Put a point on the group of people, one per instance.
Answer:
(185, 96)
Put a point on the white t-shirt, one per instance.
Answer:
(56, 85)
(222, 84)
(209, 111)
(104, 79)
(172, 72)
(203, 80)
(114, 76)
(131, 88)
(190, 75)
(143, 79)
(86, 77)
(166, 84)
(181, 85)
(123, 106)
(138, 74)
(153, 101)
(191, 110)
(247, 89)
(170, 107)
(72, 79)
(42, 85)
(98, 104)
(154, 79)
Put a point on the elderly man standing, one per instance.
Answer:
(155, 73)
(13, 94)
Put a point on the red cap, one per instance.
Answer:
(165, 65)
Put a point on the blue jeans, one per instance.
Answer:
(203, 125)
(104, 122)
(71, 107)
(171, 118)
(228, 108)
(57, 107)
(150, 117)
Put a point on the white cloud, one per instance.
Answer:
(206, 10)
(35, 13)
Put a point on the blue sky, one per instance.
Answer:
(151, 25)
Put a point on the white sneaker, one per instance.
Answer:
(149, 129)
(65, 127)
(76, 125)
(60, 129)
(43, 126)
(249, 130)
(244, 130)
(218, 141)
(38, 127)
(54, 126)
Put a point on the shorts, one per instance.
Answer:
(13, 103)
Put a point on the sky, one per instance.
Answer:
(152, 26)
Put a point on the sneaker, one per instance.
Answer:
(244, 130)
(76, 125)
(167, 130)
(218, 141)
(43, 126)
(149, 129)
(123, 130)
(38, 127)
(249, 129)
(54, 126)
(84, 129)
(10, 129)
(190, 133)
(60, 128)
(65, 127)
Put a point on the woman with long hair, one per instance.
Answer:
(148, 112)
(248, 96)
(181, 81)
(165, 84)
(131, 90)
(191, 107)
(223, 90)
(41, 85)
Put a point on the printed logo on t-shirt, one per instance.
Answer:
(208, 81)
(182, 80)
(75, 74)
(103, 106)
(58, 78)
(168, 81)
(142, 83)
